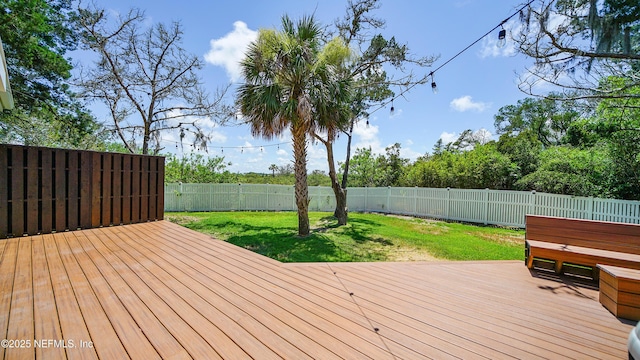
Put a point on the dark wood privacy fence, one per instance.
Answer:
(43, 190)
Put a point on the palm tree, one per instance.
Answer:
(289, 80)
(273, 168)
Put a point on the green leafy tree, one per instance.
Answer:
(37, 35)
(570, 171)
(617, 121)
(392, 166)
(523, 149)
(195, 168)
(287, 80)
(548, 119)
(364, 169)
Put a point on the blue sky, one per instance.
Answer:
(471, 88)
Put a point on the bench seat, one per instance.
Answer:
(583, 244)
(579, 255)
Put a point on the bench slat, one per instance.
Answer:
(583, 225)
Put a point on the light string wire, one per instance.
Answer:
(433, 72)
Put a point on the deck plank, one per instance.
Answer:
(93, 313)
(45, 314)
(185, 335)
(210, 307)
(21, 314)
(123, 338)
(156, 289)
(72, 322)
(318, 344)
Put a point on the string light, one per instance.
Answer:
(502, 38)
(434, 86)
(392, 108)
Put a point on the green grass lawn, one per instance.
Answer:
(367, 237)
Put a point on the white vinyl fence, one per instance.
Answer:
(497, 207)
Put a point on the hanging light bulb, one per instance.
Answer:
(392, 108)
(502, 38)
(434, 87)
(367, 122)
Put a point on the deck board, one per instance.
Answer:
(158, 290)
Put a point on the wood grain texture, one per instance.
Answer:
(158, 290)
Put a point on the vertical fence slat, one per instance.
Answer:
(126, 190)
(105, 219)
(85, 188)
(32, 191)
(96, 190)
(160, 190)
(77, 209)
(17, 192)
(116, 196)
(152, 191)
(60, 189)
(135, 189)
(4, 191)
(46, 209)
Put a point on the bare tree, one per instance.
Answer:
(576, 44)
(147, 80)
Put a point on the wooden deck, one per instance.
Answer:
(157, 290)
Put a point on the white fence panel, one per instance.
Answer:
(507, 208)
(357, 199)
(467, 205)
(432, 203)
(481, 206)
(321, 199)
(566, 206)
(616, 210)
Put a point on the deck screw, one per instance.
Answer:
(351, 294)
(376, 329)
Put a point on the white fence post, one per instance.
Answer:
(486, 206)
(366, 195)
(448, 202)
(532, 202)
(388, 196)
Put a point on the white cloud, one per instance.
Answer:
(229, 50)
(448, 137)
(466, 103)
(282, 152)
(367, 137)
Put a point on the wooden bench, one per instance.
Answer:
(581, 244)
(620, 291)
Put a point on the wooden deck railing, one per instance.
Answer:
(44, 190)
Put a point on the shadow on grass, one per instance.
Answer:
(361, 230)
(282, 244)
(326, 243)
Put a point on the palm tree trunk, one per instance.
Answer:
(300, 168)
